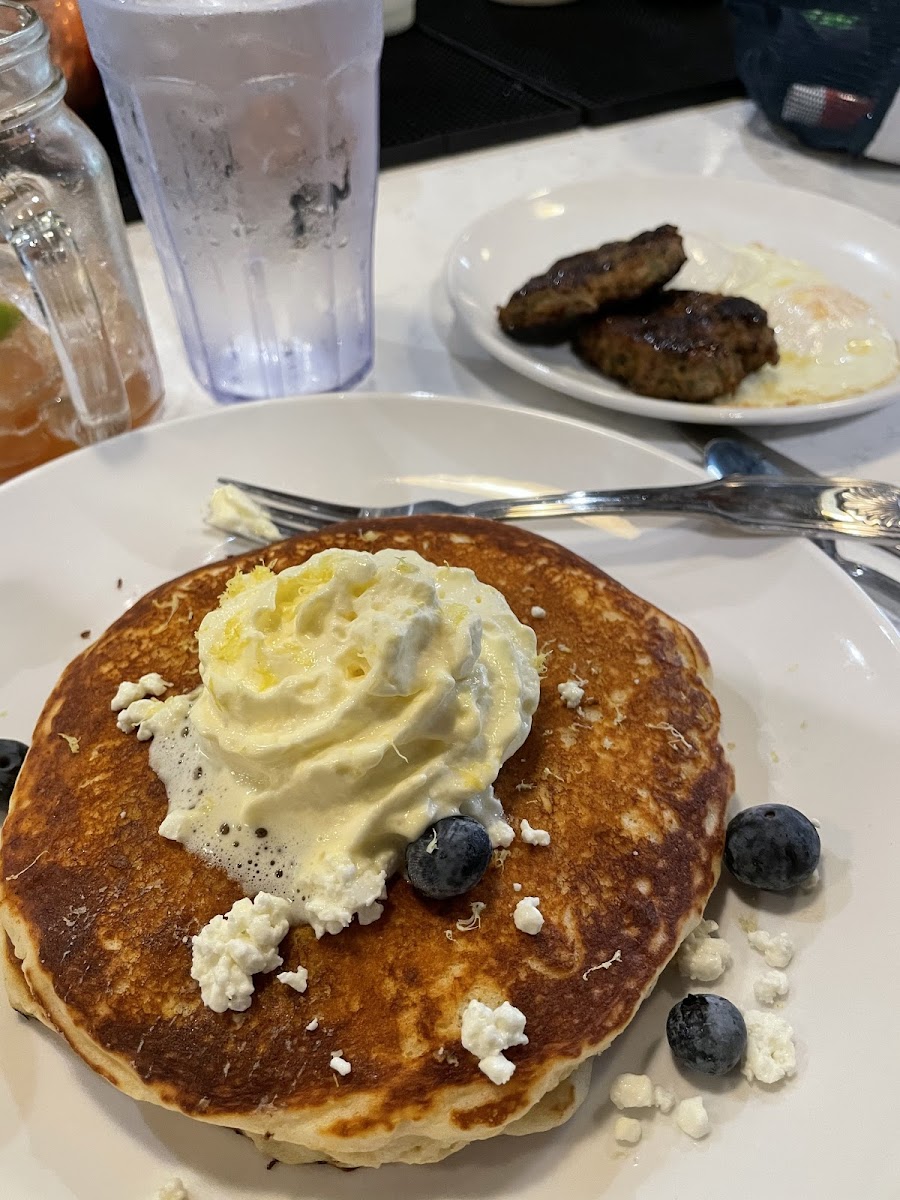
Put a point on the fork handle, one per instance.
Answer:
(763, 504)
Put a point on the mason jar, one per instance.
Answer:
(77, 363)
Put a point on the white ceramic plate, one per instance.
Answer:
(808, 677)
(503, 248)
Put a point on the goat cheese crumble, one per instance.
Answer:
(173, 1190)
(527, 915)
(770, 1055)
(148, 685)
(702, 956)
(627, 1131)
(294, 979)
(487, 1032)
(533, 837)
(632, 1091)
(777, 949)
(570, 693)
(692, 1118)
(771, 986)
(339, 1064)
(229, 950)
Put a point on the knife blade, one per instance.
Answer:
(735, 453)
(777, 463)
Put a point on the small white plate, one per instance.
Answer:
(808, 677)
(508, 245)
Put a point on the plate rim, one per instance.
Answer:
(224, 412)
(164, 1165)
(655, 408)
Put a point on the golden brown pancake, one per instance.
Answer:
(99, 908)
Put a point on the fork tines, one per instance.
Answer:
(291, 513)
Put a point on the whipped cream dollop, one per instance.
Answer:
(347, 703)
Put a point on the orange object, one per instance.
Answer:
(38, 420)
(69, 50)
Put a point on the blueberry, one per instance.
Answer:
(706, 1033)
(449, 858)
(771, 846)
(12, 755)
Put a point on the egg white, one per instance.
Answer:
(831, 344)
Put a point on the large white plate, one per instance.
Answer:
(508, 245)
(808, 677)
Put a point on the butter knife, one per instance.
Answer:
(735, 453)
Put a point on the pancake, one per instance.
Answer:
(632, 786)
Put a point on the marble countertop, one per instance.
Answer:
(422, 209)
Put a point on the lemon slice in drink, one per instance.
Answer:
(9, 318)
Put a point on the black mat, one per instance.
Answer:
(436, 99)
(612, 58)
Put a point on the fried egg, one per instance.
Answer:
(831, 344)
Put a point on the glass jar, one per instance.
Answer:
(77, 363)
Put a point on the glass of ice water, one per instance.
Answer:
(250, 131)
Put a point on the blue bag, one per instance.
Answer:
(830, 75)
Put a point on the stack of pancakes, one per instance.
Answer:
(98, 909)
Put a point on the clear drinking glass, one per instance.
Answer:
(250, 130)
(76, 360)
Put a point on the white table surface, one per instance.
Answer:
(422, 209)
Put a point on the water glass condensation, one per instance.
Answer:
(250, 131)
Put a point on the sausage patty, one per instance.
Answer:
(677, 345)
(548, 307)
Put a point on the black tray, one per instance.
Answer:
(613, 59)
(437, 99)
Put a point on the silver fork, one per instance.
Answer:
(759, 504)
